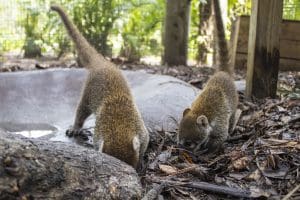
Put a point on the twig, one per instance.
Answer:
(175, 120)
(178, 82)
(267, 109)
(196, 170)
(290, 194)
(220, 157)
(241, 136)
(294, 119)
(208, 187)
(154, 192)
(184, 170)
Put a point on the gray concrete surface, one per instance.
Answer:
(40, 103)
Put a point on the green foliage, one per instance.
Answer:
(95, 20)
(141, 31)
(55, 36)
(238, 7)
(131, 28)
(291, 9)
(194, 36)
(32, 40)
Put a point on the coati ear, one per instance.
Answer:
(186, 111)
(202, 120)
(136, 144)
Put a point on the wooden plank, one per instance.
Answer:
(234, 41)
(289, 38)
(290, 30)
(285, 64)
(290, 49)
(263, 48)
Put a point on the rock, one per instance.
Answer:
(39, 169)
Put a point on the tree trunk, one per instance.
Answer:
(205, 31)
(40, 169)
(176, 32)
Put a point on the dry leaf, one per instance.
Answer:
(187, 157)
(168, 169)
(241, 163)
(255, 176)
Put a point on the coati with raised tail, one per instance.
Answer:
(206, 125)
(119, 129)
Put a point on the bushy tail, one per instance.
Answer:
(85, 51)
(224, 60)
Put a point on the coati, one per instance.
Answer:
(119, 129)
(212, 114)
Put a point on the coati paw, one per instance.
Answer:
(81, 133)
(70, 132)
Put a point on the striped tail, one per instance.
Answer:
(85, 51)
(224, 60)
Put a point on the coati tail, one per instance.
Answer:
(84, 49)
(224, 60)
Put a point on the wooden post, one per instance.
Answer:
(234, 42)
(263, 48)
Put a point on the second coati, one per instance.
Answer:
(211, 117)
(119, 129)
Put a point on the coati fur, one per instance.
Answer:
(206, 125)
(119, 129)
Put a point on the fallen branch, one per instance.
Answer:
(194, 169)
(154, 192)
(294, 119)
(236, 192)
(290, 194)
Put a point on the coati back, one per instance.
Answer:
(212, 114)
(119, 129)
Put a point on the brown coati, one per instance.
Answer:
(211, 117)
(119, 129)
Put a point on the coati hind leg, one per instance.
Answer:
(83, 112)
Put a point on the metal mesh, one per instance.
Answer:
(291, 9)
(12, 12)
(11, 34)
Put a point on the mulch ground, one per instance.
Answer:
(261, 159)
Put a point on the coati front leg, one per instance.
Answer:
(217, 138)
(83, 112)
(232, 123)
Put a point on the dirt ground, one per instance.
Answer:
(260, 159)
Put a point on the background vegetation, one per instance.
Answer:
(127, 28)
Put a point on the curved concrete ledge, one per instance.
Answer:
(46, 100)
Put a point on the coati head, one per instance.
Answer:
(193, 129)
(128, 152)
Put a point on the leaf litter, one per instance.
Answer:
(261, 159)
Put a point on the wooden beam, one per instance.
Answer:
(263, 48)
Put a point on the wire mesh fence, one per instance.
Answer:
(15, 12)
